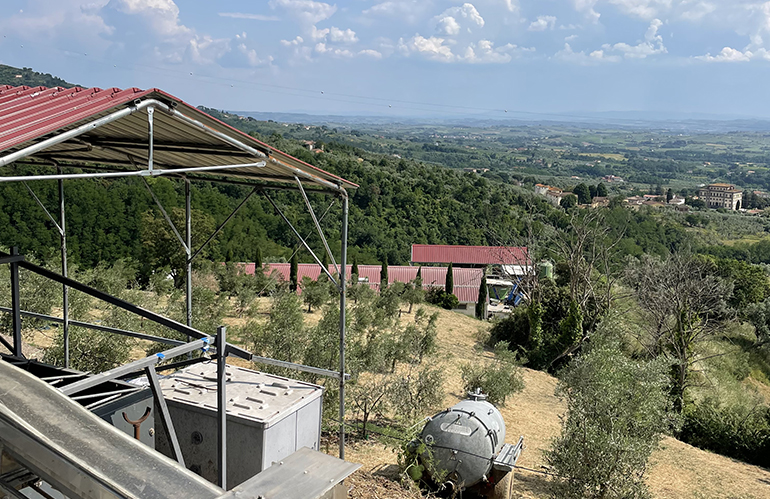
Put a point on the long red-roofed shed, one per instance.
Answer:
(466, 281)
(469, 255)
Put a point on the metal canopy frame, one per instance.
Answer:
(79, 145)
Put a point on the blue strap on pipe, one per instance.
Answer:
(160, 356)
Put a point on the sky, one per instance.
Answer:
(480, 58)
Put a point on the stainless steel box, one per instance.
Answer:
(268, 418)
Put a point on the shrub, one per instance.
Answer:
(740, 430)
(439, 297)
(497, 379)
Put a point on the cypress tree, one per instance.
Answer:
(354, 269)
(482, 299)
(258, 259)
(450, 280)
(384, 275)
(324, 265)
(293, 272)
(418, 278)
(601, 190)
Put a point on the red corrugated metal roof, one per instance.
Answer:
(30, 114)
(476, 255)
(466, 281)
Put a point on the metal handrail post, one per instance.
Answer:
(65, 289)
(16, 306)
(222, 405)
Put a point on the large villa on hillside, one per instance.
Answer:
(721, 196)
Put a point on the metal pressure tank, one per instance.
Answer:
(467, 448)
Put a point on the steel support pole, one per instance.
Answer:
(343, 291)
(188, 238)
(151, 137)
(16, 306)
(222, 405)
(65, 290)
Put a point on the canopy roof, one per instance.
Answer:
(110, 126)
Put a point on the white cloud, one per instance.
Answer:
(571, 38)
(318, 34)
(485, 52)
(306, 11)
(595, 57)
(652, 44)
(512, 5)
(433, 48)
(322, 48)
(543, 23)
(162, 15)
(252, 58)
(586, 7)
(695, 10)
(292, 43)
(410, 11)
(63, 23)
(645, 9)
(440, 49)
(343, 36)
(447, 22)
(728, 54)
(448, 26)
(370, 53)
(244, 15)
(156, 24)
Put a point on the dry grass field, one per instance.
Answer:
(678, 470)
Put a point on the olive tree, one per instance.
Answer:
(499, 378)
(617, 409)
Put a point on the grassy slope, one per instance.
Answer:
(678, 470)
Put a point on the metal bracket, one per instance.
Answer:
(168, 219)
(317, 224)
(61, 231)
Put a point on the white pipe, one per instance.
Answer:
(137, 173)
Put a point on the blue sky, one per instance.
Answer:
(409, 57)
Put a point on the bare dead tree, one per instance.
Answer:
(511, 239)
(682, 305)
(588, 247)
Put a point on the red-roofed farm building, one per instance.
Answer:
(466, 281)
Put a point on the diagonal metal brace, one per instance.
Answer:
(165, 416)
(222, 225)
(168, 219)
(53, 220)
(300, 238)
(129, 307)
(317, 224)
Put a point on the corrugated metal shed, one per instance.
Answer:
(469, 255)
(466, 281)
(29, 115)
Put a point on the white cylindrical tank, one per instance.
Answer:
(465, 440)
